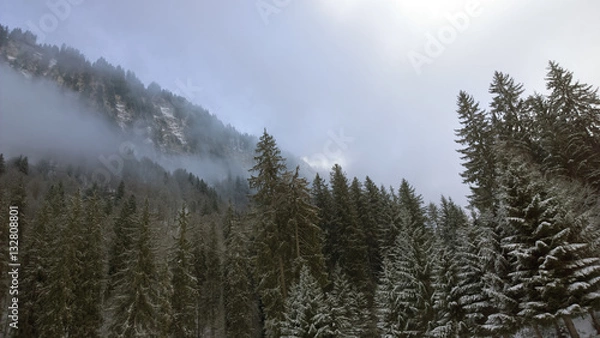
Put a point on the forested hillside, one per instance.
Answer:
(162, 254)
(167, 121)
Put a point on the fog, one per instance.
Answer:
(309, 69)
(40, 120)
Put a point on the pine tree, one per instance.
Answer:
(124, 228)
(368, 226)
(554, 270)
(302, 219)
(137, 285)
(57, 294)
(273, 238)
(571, 134)
(509, 118)
(322, 200)
(348, 308)
(449, 315)
(405, 293)
(306, 314)
(352, 248)
(478, 152)
(183, 299)
(450, 221)
(240, 300)
(210, 285)
(372, 221)
(90, 268)
(36, 260)
(471, 257)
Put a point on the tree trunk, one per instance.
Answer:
(536, 329)
(595, 321)
(570, 326)
(282, 275)
(297, 241)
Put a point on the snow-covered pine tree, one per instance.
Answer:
(510, 121)
(306, 312)
(471, 256)
(273, 244)
(404, 293)
(571, 136)
(555, 271)
(183, 282)
(348, 308)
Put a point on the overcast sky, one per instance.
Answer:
(359, 82)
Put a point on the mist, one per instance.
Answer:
(40, 120)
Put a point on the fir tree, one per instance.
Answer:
(405, 293)
(572, 122)
(240, 300)
(90, 272)
(322, 200)
(306, 312)
(348, 308)
(478, 152)
(124, 228)
(352, 248)
(183, 282)
(302, 219)
(137, 285)
(274, 239)
(57, 294)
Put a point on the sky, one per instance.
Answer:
(369, 84)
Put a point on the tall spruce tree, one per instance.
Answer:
(90, 271)
(478, 153)
(184, 283)
(124, 228)
(137, 285)
(572, 134)
(352, 248)
(273, 239)
(241, 308)
(554, 270)
(306, 314)
(348, 309)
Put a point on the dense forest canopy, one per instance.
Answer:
(162, 253)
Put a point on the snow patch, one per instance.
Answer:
(174, 126)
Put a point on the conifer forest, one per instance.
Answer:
(271, 249)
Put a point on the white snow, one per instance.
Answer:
(174, 125)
